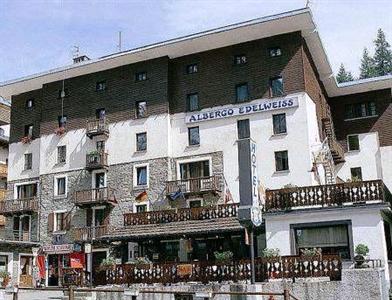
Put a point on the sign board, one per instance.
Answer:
(256, 106)
(87, 248)
(57, 249)
(184, 270)
(253, 170)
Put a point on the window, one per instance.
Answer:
(100, 86)
(196, 169)
(242, 93)
(141, 141)
(243, 129)
(3, 263)
(28, 130)
(99, 180)
(193, 102)
(356, 174)
(61, 186)
(275, 51)
(100, 113)
(62, 120)
(61, 154)
(28, 161)
(59, 222)
(141, 109)
(281, 161)
(100, 146)
(26, 191)
(30, 103)
(353, 142)
(193, 136)
(140, 76)
(141, 175)
(276, 86)
(194, 203)
(240, 59)
(332, 239)
(279, 123)
(360, 110)
(141, 208)
(63, 93)
(190, 69)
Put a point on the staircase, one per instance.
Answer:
(336, 149)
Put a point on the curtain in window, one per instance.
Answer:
(243, 129)
(142, 176)
(279, 123)
(60, 186)
(193, 102)
(332, 236)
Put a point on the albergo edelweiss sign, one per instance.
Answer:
(245, 109)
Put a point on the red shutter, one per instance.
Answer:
(50, 222)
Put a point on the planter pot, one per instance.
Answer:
(359, 260)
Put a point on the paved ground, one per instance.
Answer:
(34, 295)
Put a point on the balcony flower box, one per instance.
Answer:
(26, 139)
(60, 131)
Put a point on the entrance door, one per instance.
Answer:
(26, 271)
(54, 270)
(97, 259)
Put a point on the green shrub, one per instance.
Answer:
(362, 249)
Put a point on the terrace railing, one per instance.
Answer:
(94, 197)
(331, 195)
(97, 127)
(18, 236)
(19, 205)
(89, 233)
(265, 269)
(96, 160)
(182, 214)
(195, 185)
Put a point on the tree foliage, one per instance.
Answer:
(343, 75)
(382, 55)
(367, 69)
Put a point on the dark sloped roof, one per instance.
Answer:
(176, 228)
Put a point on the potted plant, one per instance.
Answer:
(310, 253)
(4, 278)
(271, 253)
(223, 257)
(361, 250)
(107, 264)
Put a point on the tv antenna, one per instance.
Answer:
(75, 51)
(119, 45)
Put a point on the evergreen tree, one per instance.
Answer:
(343, 75)
(382, 55)
(367, 69)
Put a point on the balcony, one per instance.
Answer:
(100, 196)
(3, 170)
(180, 215)
(97, 127)
(86, 234)
(96, 160)
(195, 185)
(337, 150)
(18, 236)
(331, 195)
(284, 267)
(28, 205)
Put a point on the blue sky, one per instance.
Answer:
(38, 35)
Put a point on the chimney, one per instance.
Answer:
(80, 58)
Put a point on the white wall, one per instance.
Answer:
(367, 158)
(221, 135)
(16, 160)
(386, 161)
(367, 228)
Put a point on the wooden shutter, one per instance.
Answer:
(50, 222)
(107, 216)
(89, 217)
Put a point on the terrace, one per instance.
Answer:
(98, 196)
(96, 127)
(198, 185)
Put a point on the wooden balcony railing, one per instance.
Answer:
(94, 197)
(289, 267)
(3, 170)
(85, 234)
(97, 127)
(195, 185)
(96, 160)
(331, 195)
(182, 214)
(18, 236)
(18, 206)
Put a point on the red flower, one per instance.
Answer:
(60, 131)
